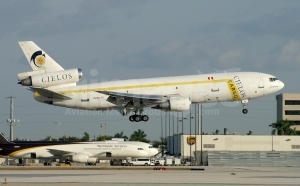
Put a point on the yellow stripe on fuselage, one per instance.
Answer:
(235, 96)
(22, 150)
(142, 86)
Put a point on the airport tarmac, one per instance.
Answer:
(209, 176)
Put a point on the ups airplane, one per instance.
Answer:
(81, 152)
(56, 86)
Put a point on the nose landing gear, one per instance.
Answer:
(245, 111)
(244, 102)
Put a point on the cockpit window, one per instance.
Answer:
(272, 79)
(140, 149)
(150, 147)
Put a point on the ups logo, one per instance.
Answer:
(191, 140)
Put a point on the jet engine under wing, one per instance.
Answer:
(50, 94)
(137, 96)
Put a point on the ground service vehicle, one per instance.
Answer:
(140, 161)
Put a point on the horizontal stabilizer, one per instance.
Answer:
(50, 94)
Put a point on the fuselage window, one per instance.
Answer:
(140, 149)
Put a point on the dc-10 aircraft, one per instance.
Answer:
(56, 86)
(82, 152)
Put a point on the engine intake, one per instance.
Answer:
(53, 78)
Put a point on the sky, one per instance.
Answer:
(118, 39)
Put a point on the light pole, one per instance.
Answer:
(272, 142)
(191, 136)
(162, 133)
(177, 134)
(169, 131)
(57, 129)
(166, 128)
(182, 143)
(80, 133)
(200, 121)
(11, 120)
(196, 136)
(173, 134)
(273, 126)
(105, 131)
(100, 131)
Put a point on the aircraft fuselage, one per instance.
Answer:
(204, 88)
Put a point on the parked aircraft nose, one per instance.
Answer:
(153, 152)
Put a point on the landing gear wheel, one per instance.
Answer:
(137, 118)
(145, 118)
(131, 118)
(245, 111)
(244, 102)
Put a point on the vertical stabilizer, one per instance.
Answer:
(3, 140)
(37, 58)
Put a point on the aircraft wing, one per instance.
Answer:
(50, 94)
(55, 152)
(101, 153)
(137, 96)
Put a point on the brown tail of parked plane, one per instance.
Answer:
(3, 140)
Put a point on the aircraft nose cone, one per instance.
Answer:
(281, 85)
(153, 152)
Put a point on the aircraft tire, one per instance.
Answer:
(145, 118)
(137, 118)
(132, 118)
(245, 111)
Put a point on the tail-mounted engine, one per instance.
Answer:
(44, 80)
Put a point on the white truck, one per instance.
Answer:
(140, 161)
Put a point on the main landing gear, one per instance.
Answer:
(138, 118)
(244, 102)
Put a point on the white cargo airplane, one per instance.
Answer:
(82, 152)
(56, 86)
